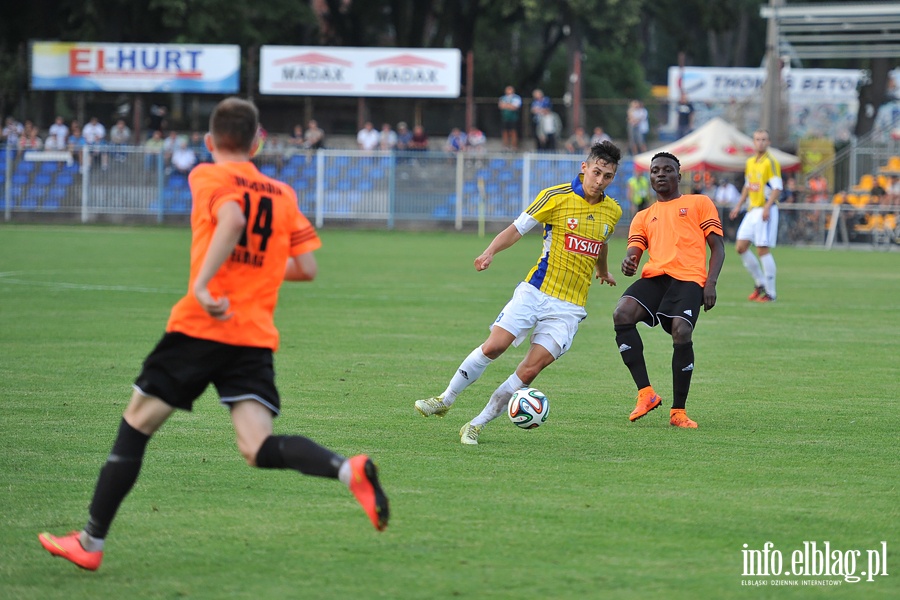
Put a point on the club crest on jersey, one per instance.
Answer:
(682, 212)
(580, 245)
(572, 223)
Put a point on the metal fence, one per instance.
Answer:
(381, 188)
(378, 189)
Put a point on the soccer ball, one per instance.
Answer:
(528, 408)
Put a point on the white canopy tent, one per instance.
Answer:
(715, 146)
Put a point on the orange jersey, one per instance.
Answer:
(251, 277)
(674, 235)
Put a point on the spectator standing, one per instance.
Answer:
(58, 135)
(404, 136)
(539, 105)
(638, 192)
(12, 129)
(76, 143)
(550, 127)
(368, 137)
(685, 116)
(95, 137)
(387, 139)
(510, 105)
(578, 142)
(637, 127)
(314, 138)
(119, 136)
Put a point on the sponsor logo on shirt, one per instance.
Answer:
(580, 245)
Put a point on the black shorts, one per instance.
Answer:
(181, 367)
(509, 125)
(666, 298)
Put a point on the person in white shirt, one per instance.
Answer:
(387, 140)
(58, 135)
(95, 136)
(368, 138)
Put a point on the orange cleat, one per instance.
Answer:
(364, 485)
(70, 548)
(647, 401)
(678, 418)
(764, 297)
(757, 292)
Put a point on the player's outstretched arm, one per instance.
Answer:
(502, 241)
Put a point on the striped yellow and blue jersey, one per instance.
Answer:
(760, 173)
(574, 233)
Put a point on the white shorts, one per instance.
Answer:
(762, 234)
(554, 322)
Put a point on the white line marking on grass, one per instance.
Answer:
(8, 277)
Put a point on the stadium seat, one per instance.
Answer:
(49, 167)
(64, 179)
(25, 166)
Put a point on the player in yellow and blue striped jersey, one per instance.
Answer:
(577, 220)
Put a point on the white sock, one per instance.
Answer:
(752, 265)
(344, 473)
(768, 267)
(90, 543)
(499, 400)
(467, 374)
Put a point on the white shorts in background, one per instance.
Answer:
(762, 234)
(553, 321)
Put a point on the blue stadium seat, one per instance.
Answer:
(42, 179)
(20, 178)
(25, 166)
(64, 179)
(49, 167)
(269, 170)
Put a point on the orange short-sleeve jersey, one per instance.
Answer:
(253, 274)
(674, 235)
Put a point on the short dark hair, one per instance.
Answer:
(668, 155)
(605, 151)
(233, 124)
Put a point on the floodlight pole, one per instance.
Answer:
(772, 90)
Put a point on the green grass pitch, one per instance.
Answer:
(796, 401)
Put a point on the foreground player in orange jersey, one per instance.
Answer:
(248, 237)
(675, 231)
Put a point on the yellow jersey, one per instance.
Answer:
(574, 233)
(760, 173)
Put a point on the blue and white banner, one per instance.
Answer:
(88, 66)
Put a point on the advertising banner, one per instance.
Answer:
(87, 66)
(367, 72)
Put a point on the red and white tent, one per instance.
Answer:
(715, 146)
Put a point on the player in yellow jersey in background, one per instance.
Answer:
(578, 218)
(762, 187)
